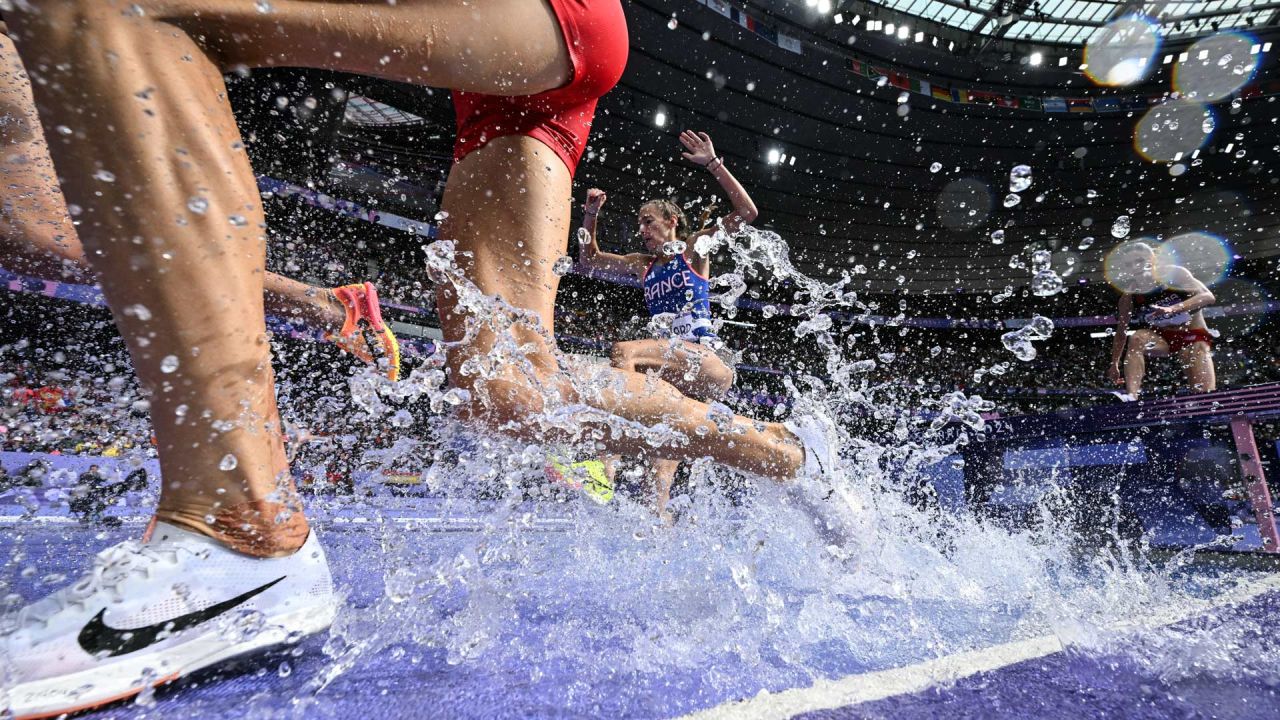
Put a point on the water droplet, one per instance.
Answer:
(1177, 169)
(104, 176)
(197, 204)
(936, 167)
(63, 130)
(1046, 283)
(563, 266)
(229, 462)
(672, 24)
(997, 237)
(673, 247)
(237, 220)
(285, 669)
(1012, 199)
(1208, 125)
(1120, 228)
(1091, 193)
(263, 6)
(1085, 244)
(169, 363)
(1019, 178)
(1040, 260)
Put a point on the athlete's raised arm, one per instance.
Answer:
(701, 151)
(592, 256)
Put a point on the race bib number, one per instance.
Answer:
(682, 326)
(1155, 320)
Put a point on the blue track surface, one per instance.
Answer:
(407, 679)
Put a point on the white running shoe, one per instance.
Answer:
(149, 612)
(815, 434)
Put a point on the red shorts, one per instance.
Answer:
(1178, 338)
(595, 31)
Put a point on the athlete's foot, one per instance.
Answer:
(816, 488)
(149, 612)
(363, 332)
(815, 435)
(586, 475)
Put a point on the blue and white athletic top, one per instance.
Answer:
(674, 287)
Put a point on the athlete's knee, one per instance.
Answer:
(507, 404)
(57, 19)
(1140, 343)
(623, 357)
(721, 381)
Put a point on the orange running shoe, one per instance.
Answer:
(363, 333)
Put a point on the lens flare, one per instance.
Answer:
(1130, 267)
(1216, 67)
(964, 204)
(1121, 53)
(1245, 303)
(1173, 130)
(1207, 257)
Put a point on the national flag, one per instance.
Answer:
(1007, 101)
(857, 66)
(878, 72)
(786, 42)
(1106, 104)
(960, 95)
(1031, 103)
(720, 6)
(941, 93)
(1080, 105)
(768, 32)
(900, 81)
(1055, 104)
(983, 97)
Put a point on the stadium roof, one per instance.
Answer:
(1071, 22)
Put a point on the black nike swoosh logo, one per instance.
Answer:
(101, 640)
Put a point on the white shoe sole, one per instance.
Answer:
(121, 680)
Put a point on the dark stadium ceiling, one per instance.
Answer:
(905, 188)
(1069, 22)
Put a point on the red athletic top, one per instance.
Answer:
(595, 31)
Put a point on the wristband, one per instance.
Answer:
(719, 158)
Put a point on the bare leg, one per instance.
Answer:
(1142, 344)
(142, 125)
(315, 306)
(694, 370)
(37, 237)
(515, 188)
(1197, 363)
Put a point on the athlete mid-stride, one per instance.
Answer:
(676, 282)
(132, 97)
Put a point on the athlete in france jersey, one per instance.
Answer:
(674, 288)
(675, 285)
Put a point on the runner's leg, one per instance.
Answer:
(1196, 360)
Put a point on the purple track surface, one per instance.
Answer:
(407, 682)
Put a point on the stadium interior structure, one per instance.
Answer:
(877, 138)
